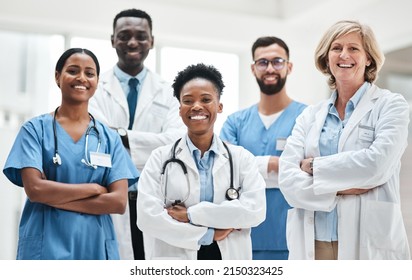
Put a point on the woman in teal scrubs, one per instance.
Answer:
(74, 170)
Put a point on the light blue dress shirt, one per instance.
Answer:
(124, 79)
(205, 167)
(326, 223)
(124, 83)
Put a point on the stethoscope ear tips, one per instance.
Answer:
(57, 160)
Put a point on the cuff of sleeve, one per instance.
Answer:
(262, 162)
(207, 239)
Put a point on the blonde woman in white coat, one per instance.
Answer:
(340, 168)
(189, 216)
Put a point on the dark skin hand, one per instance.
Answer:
(179, 213)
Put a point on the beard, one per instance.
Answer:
(271, 89)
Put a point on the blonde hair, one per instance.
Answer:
(370, 45)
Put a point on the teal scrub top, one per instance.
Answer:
(245, 128)
(49, 233)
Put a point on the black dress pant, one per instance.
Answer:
(209, 252)
(137, 235)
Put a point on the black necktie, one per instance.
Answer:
(132, 99)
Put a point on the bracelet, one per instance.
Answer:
(311, 164)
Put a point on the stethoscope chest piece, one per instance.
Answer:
(232, 194)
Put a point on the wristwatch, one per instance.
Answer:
(122, 132)
(123, 135)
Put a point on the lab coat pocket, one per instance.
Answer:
(112, 252)
(30, 248)
(382, 232)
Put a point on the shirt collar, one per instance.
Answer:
(193, 148)
(124, 77)
(354, 99)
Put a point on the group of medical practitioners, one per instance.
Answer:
(129, 166)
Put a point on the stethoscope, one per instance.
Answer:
(57, 159)
(231, 192)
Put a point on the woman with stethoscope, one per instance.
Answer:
(198, 197)
(74, 171)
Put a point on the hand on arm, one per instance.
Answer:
(353, 191)
(273, 164)
(178, 212)
(221, 234)
(39, 189)
(306, 165)
(112, 202)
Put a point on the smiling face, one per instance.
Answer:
(199, 106)
(132, 40)
(78, 78)
(271, 81)
(348, 59)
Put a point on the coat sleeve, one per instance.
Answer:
(295, 184)
(153, 219)
(247, 211)
(373, 166)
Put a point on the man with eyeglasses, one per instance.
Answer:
(140, 106)
(263, 129)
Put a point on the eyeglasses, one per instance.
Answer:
(277, 63)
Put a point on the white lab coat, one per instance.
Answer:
(370, 226)
(177, 240)
(157, 122)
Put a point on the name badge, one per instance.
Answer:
(366, 133)
(280, 144)
(100, 159)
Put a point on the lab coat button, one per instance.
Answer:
(310, 221)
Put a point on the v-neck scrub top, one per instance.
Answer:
(46, 232)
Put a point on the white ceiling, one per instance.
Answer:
(385, 17)
(280, 9)
(229, 23)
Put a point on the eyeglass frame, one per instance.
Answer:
(272, 62)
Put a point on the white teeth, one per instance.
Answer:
(80, 87)
(198, 117)
(345, 65)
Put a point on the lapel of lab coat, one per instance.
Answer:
(364, 106)
(222, 158)
(183, 153)
(112, 86)
(147, 93)
(312, 149)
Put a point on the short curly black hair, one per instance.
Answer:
(200, 70)
(133, 13)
